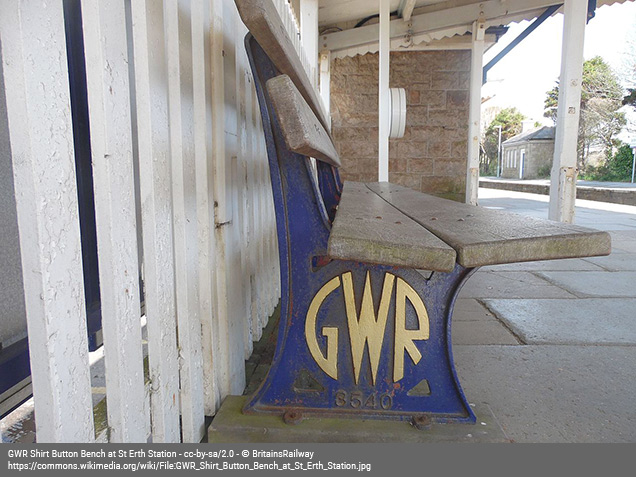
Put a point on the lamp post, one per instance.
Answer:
(499, 150)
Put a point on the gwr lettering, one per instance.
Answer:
(368, 328)
(357, 400)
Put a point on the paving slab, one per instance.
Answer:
(489, 284)
(554, 393)
(593, 284)
(623, 241)
(606, 321)
(230, 425)
(624, 246)
(617, 261)
(544, 265)
(482, 333)
(470, 309)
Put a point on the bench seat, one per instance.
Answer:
(369, 229)
(378, 223)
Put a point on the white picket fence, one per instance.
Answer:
(188, 120)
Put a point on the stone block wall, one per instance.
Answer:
(538, 156)
(431, 157)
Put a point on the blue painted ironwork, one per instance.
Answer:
(296, 381)
(591, 10)
(14, 368)
(529, 29)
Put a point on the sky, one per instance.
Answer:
(523, 77)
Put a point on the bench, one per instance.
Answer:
(364, 331)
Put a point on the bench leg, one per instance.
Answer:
(367, 341)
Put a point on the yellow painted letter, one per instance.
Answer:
(329, 364)
(404, 338)
(368, 329)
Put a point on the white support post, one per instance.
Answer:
(156, 214)
(106, 49)
(383, 93)
(309, 34)
(35, 110)
(474, 112)
(564, 167)
(325, 82)
(405, 9)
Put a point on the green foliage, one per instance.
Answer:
(544, 171)
(601, 98)
(630, 99)
(510, 120)
(617, 168)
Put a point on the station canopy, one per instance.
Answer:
(349, 27)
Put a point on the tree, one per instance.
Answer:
(510, 120)
(617, 168)
(630, 98)
(627, 70)
(601, 98)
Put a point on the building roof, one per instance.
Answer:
(545, 133)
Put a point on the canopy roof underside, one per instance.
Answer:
(429, 21)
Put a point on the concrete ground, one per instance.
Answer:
(550, 347)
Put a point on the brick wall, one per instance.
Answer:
(431, 156)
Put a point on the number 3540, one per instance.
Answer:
(357, 399)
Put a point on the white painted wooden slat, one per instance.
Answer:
(106, 51)
(270, 237)
(261, 168)
(181, 116)
(156, 209)
(204, 184)
(325, 82)
(241, 182)
(274, 262)
(111, 142)
(236, 300)
(35, 115)
(255, 265)
(222, 344)
(309, 34)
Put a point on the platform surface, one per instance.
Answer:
(230, 425)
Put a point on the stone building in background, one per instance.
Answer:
(432, 155)
(528, 155)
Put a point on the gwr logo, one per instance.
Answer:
(368, 328)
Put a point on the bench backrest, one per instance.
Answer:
(303, 132)
(264, 23)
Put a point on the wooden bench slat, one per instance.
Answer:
(264, 23)
(368, 229)
(302, 130)
(488, 237)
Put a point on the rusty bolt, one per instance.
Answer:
(421, 423)
(292, 417)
